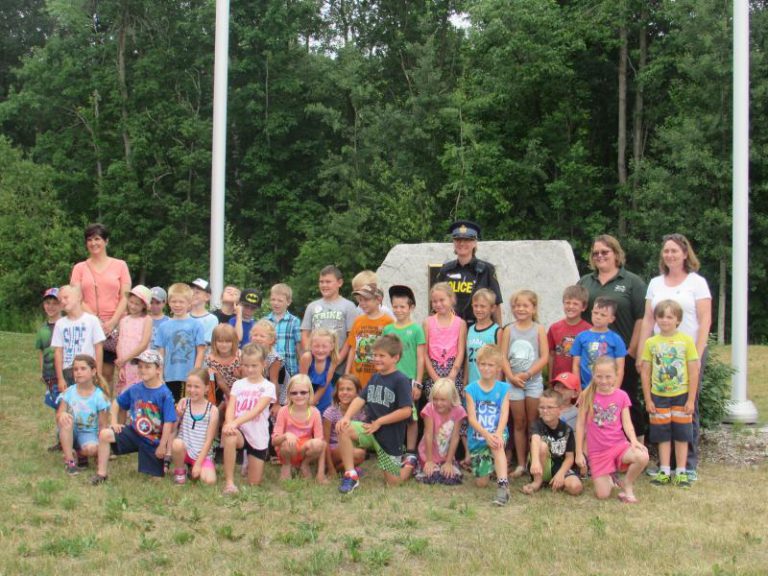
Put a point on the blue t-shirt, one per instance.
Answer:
(156, 323)
(179, 338)
(85, 410)
(488, 407)
(209, 322)
(589, 346)
(247, 325)
(476, 339)
(149, 409)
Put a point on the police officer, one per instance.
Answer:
(466, 274)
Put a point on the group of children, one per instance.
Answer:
(431, 401)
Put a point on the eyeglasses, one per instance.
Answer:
(603, 253)
(299, 392)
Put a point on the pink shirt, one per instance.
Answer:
(101, 290)
(312, 427)
(604, 429)
(246, 397)
(442, 429)
(443, 343)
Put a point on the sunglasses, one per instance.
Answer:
(299, 392)
(597, 253)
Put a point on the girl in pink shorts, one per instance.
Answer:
(198, 422)
(605, 422)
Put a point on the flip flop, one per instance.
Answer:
(627, 499)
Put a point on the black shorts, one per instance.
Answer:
(178, 388)
(128, 441)
(108, 357)
(251, 451)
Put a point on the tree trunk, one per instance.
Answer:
(123, 86)
(638, 139)
(621, 163)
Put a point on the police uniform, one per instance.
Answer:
(466, 279)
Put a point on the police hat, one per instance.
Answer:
(464, 229)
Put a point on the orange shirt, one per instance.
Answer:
(361, 337)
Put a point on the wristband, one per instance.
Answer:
(416, 384)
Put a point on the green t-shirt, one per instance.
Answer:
(669, 357)
(411, 336)
(43, 343)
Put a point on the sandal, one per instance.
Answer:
(98, 479)
(230, 490)
(179, 476)
(627, 498)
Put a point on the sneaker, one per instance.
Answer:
(348, 484)
(502, 496)
(693, 476)
(71, 468)
(652, 471)
(98, 479)
(166, 465)
(410, 460)
(661, 479)
(82, 462)
(681, 481)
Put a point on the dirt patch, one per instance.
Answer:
(735, 446)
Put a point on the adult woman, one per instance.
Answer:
(610, 279)
(467, 274)
(680, 282)
(104, 282)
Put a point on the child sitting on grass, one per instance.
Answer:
(347, 389)
(443, 416)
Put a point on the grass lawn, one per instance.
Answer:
(54, 524)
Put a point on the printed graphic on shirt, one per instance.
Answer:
(74, 340)
(521, 355)
(669, 368)
(326, 318)
(443, 438)
(183, 348)
(563, 348)
(148, 420)
(488, 414)
(605, 416)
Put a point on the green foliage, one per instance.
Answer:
(715, 389)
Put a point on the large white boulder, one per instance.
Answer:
(544, 266)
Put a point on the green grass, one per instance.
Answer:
(52, 523)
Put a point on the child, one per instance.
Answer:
(198, 422)
(180, 341)
(611, 442)
(527, 353)
(411, 363)
(364, 332)
(77, 333)
(135, 333)
(442, 416)
(230, 296)
(287, 326)
(246, 424)
(446, 336)
(201, 295)
(566, 384)
(483, 331)
(488, 413)
(223, 363)
(157, 310)
(52, 309)
(244, 320)
(552, 449)
(298, 434)
(331, 311)
(82, 413)
(598, 341)
(370, 278)
(348, 387)
(319, 363)
(670, 376)
(263, 332)
(152, 413)
(562, 333)
(387, 402)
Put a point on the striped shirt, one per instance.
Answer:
(193, 429)
(288, 330)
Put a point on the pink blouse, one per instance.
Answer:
(443, 343)
(101, 290)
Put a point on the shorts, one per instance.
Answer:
(128, 441)
(608, 461)
(51, 392)
(548, 471)
(482, 458)
(389, 463)
(108, 357)
(670, 422)
(84, 438)
(207, 463)
(534, 388)
(178, 388)
(298, 457)
(261, 454)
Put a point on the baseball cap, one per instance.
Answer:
(51, 293)
(401, 290)
(367, 291)
(202, 284)
(250, 297)
(159, 294)
(568, 379)
(150, 357)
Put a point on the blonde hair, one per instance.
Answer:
(180, 290)
(363, 278)
(445, 388)
(444, 287)
(282, 290)
(588, 395)
(489, 352)
(532, 297)
(224, 333)
(489, 296)
(691, 263)
(257, 350)
(98, 380)
(322, 333)
(268, 326)
(295, 380)
(74, 289)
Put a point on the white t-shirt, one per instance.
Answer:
(336, 315)
(77, 337)
(247, 395)
(687, 293)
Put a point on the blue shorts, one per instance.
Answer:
(129, 441)
(533, 389)
(670, 423)
(83, 438)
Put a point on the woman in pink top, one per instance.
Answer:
(104, 282)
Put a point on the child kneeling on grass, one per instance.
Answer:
(198, 423)
(153, 413)
(387, 401)
(552, 449)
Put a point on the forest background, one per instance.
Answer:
(354, 125)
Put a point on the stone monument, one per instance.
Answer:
(544, 266)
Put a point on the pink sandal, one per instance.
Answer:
(627, 499)
(179, 476)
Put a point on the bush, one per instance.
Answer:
(715, 390)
